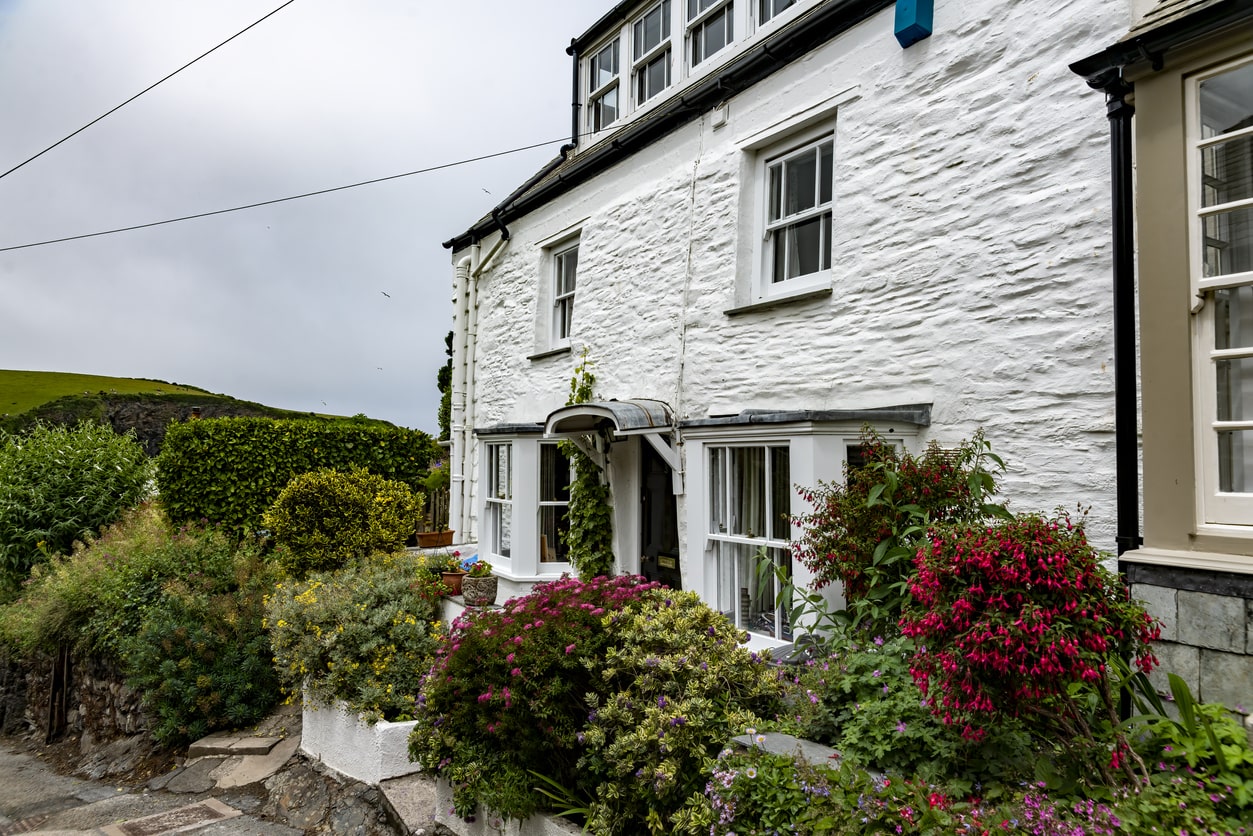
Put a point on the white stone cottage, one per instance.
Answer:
(778, 220)
(1179, 87)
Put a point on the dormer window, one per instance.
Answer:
(709, 27)
(768, 9)
(603, 87)
(651, 52)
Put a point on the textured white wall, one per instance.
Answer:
(971, 254)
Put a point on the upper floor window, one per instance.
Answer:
(1221, 187)
(768, 9)
(602, 100)
(565, 269)
(798, 211)
(710, 27)
(651, 52)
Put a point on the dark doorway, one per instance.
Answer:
(659, 520)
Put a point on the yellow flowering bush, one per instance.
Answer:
(362, 635)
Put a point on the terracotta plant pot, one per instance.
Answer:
(434, 539)
(453, 580)
(479, 592)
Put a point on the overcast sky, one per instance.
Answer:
(282, 304)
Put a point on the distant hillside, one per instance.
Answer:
(145, 406)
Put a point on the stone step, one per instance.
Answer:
(221, 744)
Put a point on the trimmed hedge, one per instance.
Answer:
(231, 470)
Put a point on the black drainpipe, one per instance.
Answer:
(1126, 415)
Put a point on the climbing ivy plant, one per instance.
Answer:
(590, 513)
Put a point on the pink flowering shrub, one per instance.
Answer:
(1008, 617)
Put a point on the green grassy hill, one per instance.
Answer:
(125, 403)
(23, 391)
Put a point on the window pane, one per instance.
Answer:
(800, 176)
(776, 191)
(1228, 242)
(746, 602)
(1233, 317)
(654, 77)
(711, 35)
(798, 249)
(502, 528)
(718, 491)
(770, 8)
(604, 66)
(553, 528)
(567, 266)
(652, 29)
(780, 494)
(1227, 102)
(1235, 389)
(1235, 460)
(695, 7)
(826, 161)
(748, 491)
(554, 474)
(499, 474)
(1227, 171)
(605, 109)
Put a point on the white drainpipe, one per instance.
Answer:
(457, 424)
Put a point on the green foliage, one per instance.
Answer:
(589, 682)
(674, 686)
(58, 485)
(178, 610)
(24, 391)
(443, 381)
(590, 512)
(362, 635)
(862, 700)
(231, 470)
(201, 658)
(325, 518)
(864, 533)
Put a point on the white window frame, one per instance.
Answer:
(562, 505)
(763, 17)
(700, 14)
(643, 56)
(498, 501)
(597, 94)
(523, 561)
(775, 169)
(565, 272)
(549, 308)
(1218, 512)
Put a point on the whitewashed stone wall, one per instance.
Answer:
(971, 254)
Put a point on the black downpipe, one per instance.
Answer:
(574, 100)
(1126, 415)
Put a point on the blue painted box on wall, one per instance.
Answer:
(913, 20)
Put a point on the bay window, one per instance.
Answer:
(498, 511)
(1221, 197)
(554, 503)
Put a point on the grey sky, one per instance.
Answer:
(283, 304)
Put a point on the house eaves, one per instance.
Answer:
(1168, 25)
(799, 37)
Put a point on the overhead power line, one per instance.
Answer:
(145, 90)
(282, 199)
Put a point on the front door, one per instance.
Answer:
(659, 520)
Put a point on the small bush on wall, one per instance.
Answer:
(230, 470)
(325, 518)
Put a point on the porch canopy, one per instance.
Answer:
(639, 416)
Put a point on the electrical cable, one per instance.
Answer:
(145, 90)
(282, 199)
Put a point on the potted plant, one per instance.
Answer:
(434, 539)
(451, 572)
(478, 587)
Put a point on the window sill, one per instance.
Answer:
(552, 352)
(1211, 561)
(794, 298)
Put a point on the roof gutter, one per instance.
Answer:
(806, 33)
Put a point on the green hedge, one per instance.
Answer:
(230, 470)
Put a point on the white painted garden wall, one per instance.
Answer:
(349, 745)
(970, 259)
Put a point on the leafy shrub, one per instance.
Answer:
(863, 533)
(201, 658)
(1011, 617)
(862, 700)
(674, 686)
(325, 518)
(178, 610)
(589, 511)
(362, 635)
(590, 682)
(231, 470)
(60, 484)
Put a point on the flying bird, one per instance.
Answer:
(385, 293)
